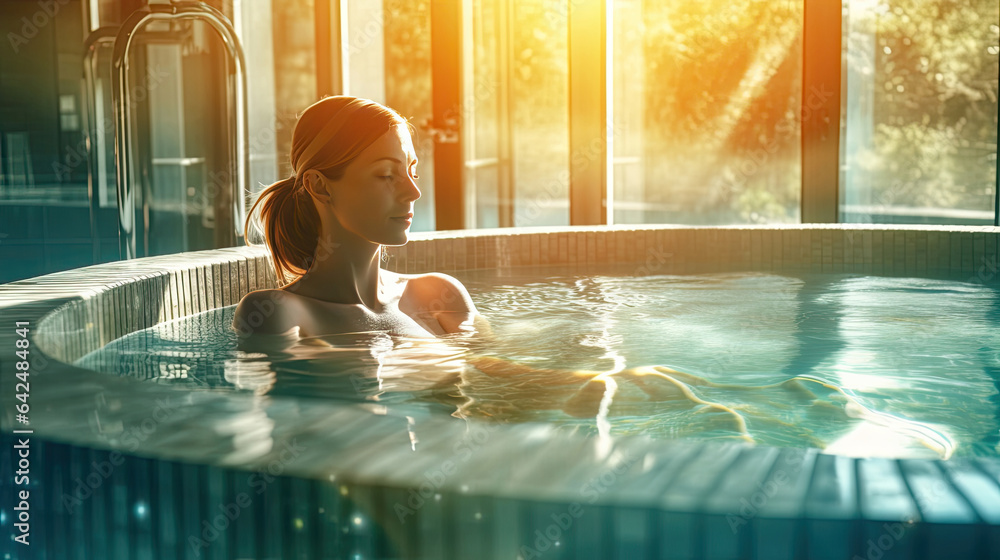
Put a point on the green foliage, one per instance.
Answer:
(935, 102)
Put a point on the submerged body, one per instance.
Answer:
(456, 371)
(840, 422)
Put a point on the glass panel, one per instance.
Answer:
(707, 104)
(482, 144)
(182, 138)
(516, 105)
(41, 117)
(920, 138)
(539, 81)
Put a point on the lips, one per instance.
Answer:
(404, 217)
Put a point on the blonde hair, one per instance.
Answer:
(328, 136)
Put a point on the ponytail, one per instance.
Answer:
(289, 224)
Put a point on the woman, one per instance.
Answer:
(352, 192)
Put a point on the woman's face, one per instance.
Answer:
(374, 199)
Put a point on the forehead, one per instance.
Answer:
(396, 142)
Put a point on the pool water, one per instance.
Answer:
(857, 365)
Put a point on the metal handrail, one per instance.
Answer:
(236, 89)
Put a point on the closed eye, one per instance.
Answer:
(411, 170)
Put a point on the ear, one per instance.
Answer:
(317, 185)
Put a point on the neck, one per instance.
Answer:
(343, 272)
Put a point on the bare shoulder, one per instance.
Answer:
(441, 292)
(264, 312)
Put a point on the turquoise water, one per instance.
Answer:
(859, 365)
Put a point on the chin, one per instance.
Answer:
(395, 240)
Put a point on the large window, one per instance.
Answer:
(707, 119)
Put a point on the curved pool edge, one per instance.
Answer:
(706, 499)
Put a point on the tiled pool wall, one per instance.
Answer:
(890, 250)
(515, 496)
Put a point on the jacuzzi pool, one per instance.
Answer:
(382, 479)
(848, 363)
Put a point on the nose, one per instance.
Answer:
(411, 190)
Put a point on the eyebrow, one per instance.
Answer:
(415, 160)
